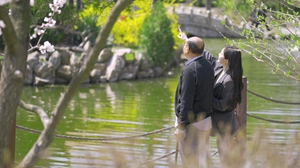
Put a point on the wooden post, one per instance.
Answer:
(241, 111)
(11, 146)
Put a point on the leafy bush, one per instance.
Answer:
(92, 17)
(125, 31)
(155, 36)
(88, 27)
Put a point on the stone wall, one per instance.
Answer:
(111, 66)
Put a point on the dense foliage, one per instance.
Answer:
(125, 31)
(79, 22)
(155, 36)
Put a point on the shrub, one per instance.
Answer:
(125, 30)
(155, 36)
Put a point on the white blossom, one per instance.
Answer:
(33, 36)
(60, 3)
(44, 25)
(40, 31)
(53, 7)
(2, 24)
(51, 22)
(56, 5)
(46, 19)
(3, 2)
(47, 47)
(31, 2)
(37, 31)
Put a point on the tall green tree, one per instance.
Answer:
(16, 38)
(155, 36)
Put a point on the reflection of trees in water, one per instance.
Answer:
(111, 96)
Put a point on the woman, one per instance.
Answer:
(227, 94)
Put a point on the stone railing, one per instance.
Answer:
(204, 23)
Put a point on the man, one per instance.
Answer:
(193, 105)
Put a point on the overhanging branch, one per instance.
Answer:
(37, 110)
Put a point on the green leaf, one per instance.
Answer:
(129, 56)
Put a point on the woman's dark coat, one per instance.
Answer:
(224, 118)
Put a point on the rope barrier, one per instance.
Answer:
(273, 100)
(274, 121)
(171, 153)
(139, 135)
(152, 160)
(95, 139)
(213, 154)
(110, 138)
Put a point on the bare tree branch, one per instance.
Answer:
(66, 29)
(85, 39)
(35, 109)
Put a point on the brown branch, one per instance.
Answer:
(8, 33)
(37, 110)
(85, 40)
(74, 48)
(66, 29)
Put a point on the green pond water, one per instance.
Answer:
(128, 108)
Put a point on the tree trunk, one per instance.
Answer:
(208, 4)
(79, 5)
(47, 134)
(199, 3)
(16, 38)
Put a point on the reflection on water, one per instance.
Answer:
(129, 108)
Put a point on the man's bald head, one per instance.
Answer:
(196, 45)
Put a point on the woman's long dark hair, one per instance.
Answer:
(234, 57)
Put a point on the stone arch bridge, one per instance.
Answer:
(199, 22)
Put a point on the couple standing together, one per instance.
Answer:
(206, 97)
